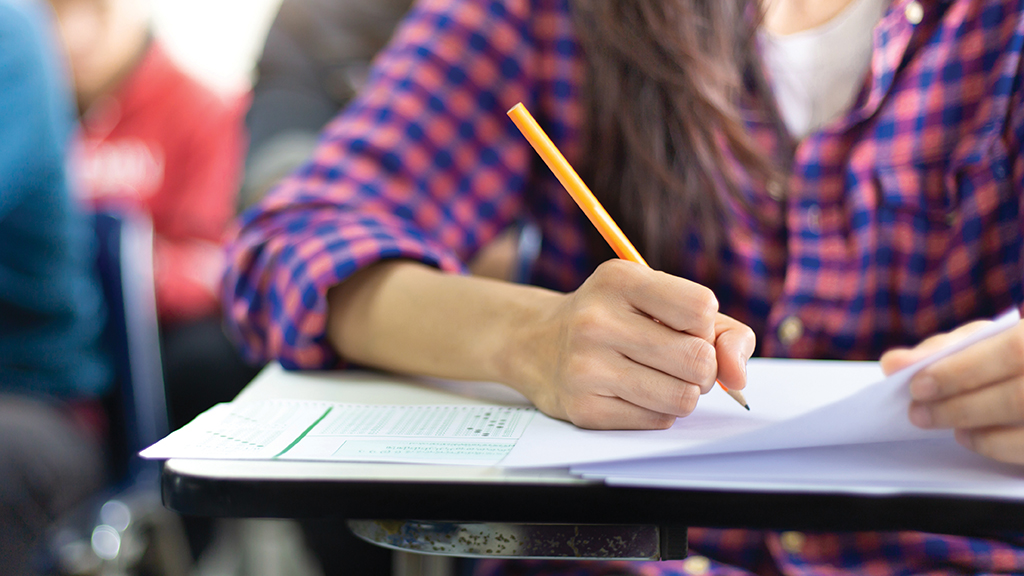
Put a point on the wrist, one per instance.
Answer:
(525, 356)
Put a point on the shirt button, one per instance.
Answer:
(814, 219)
(776, 190)
(914, 12)
(696, 565)
(793, 542)
(790, 330)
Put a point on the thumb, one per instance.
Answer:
(899, 358)
(734, 344)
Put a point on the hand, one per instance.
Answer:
(978, 391)
(600, 360)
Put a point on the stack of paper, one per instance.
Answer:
(813, 425)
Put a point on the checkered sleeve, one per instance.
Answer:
(423, 165)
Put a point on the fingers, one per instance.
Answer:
(994, 405)
(998, 358)
(978, 391)
(721, 346)
(647, 364)
(734, 345)
(682, 356)
(635, 348)
(624, 394)
(678, 303)
(610, 413)
(657, 392)
(899, 358)
(1001, 443)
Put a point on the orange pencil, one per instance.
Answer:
(579, 191)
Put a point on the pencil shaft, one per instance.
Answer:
(574, 185)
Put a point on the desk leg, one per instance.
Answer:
(415, 564)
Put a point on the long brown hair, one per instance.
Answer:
(664, 82)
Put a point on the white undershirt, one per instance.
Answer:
(816, 74)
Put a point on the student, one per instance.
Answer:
(158, 142)
(837, 177)
(53, 368)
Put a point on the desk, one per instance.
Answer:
(281, 489)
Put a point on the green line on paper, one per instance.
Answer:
(304, 432)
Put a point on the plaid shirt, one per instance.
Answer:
(902, 219)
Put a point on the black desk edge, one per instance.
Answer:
(587, 504)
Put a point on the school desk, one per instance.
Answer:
(581, 517)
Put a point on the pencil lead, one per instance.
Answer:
(747, 407)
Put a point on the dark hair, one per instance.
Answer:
(665, 79)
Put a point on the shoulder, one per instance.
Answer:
(487, 41)
(30, 66)
(536, 18)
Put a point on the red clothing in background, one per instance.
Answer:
(169, 147)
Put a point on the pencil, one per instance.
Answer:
(584, 198)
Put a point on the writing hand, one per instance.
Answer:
(602, 361)
(978, 391)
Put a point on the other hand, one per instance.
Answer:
(600, 360)
(979, 391)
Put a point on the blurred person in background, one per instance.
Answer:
(156, 142)
(316, 57)
(52, 368)
(159, 143)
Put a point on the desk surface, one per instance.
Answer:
(283, 489)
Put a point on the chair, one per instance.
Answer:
(127, 524)
(125, 263)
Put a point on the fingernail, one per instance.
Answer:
(924, 387)
(920, 416)
(743, 365)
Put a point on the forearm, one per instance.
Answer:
(407, 317)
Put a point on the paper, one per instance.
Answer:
(934, 466)
(303, 430)
(795, 404)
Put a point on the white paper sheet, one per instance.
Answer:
(305, 430)
(934, 466)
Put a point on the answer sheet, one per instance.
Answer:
(305, 430)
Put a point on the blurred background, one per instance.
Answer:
(153, 124)
(217, 41)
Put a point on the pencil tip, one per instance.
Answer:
(747, 407)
